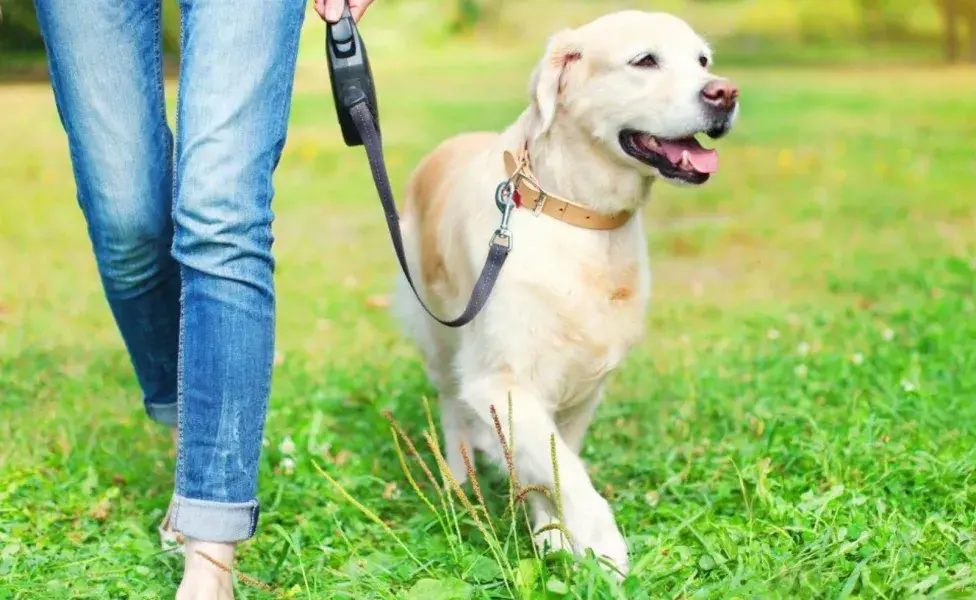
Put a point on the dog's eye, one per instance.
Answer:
(648, 61)
(703, 60)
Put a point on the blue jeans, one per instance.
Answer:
(182, 236)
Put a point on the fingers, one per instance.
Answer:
(358, 8)
(329, 10)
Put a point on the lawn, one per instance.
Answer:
(800, 422)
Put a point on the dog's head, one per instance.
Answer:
(637, 84)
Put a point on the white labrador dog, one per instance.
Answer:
(615, 106)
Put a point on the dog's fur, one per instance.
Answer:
(570, 302)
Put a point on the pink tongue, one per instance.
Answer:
(702, 160)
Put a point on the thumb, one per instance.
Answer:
(333, 10)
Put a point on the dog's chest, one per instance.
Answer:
(610, 313)
(592, 314)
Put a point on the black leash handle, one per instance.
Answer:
(355, 100)
(349, 72)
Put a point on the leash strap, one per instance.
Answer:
(501, 242)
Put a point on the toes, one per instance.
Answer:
(597, 531)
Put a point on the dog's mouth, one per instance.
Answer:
(683, 159)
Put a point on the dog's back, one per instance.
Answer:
(427, 195)
(435, 249)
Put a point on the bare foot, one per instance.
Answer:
(168, 538)
(202, 579)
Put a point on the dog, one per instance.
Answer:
(615, 106)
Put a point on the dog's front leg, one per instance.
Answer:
(455, 435)
(575, 420)
(586, 514)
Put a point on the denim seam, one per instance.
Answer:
(180, 355)
(158, 58)
(161, 92)
(285, 104)
(176, 141)
(161, 108)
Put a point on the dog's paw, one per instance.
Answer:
(593, 527)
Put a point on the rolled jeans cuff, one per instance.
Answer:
(165, 414)
(215, 521)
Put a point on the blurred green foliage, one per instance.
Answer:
(470, 14)
(171, 27)
(18, 28)
(20, 34)
(753, 31)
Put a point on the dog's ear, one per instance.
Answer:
(550, 75)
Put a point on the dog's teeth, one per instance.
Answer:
(685, 162)
(649, 141)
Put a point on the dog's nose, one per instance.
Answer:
(720, 93)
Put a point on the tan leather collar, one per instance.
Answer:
(530, 195)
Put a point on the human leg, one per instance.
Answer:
(234, 101)
(113, 113)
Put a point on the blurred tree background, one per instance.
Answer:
(806, 368)
(767, 31)
(21, 46)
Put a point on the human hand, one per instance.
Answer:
(331, 10)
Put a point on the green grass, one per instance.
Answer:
(799, 424)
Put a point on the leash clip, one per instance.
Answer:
(506, 204)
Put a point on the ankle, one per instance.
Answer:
(221, 552)
(208, 571)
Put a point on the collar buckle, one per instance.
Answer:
(540, 203)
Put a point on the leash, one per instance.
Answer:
(355, 100)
